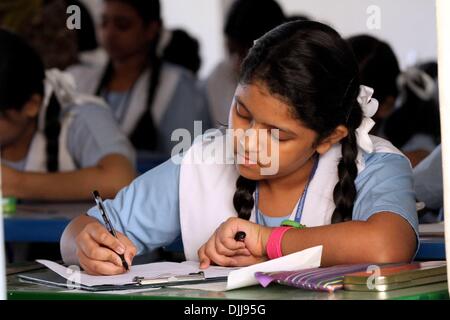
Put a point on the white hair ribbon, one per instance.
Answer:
(369, 107)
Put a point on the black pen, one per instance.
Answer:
(108, 224)
(240, 236)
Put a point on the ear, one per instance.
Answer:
(337, 135)
(152, 30)
(32, 106)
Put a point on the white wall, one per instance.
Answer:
(408, 25)
(204, 20)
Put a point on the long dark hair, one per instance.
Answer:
(144, 135)
(308, 65)
(21, 76)
(415, 114)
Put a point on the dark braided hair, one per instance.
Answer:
(52, 129)
(308, 65)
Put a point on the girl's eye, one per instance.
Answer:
(242, 112)
(279, 135)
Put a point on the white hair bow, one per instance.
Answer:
(369, 107)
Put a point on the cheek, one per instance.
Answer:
(292, 157)
(8, 132)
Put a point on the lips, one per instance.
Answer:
(247, 160)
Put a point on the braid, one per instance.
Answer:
(145, 134)
(51, 131)
(106, 77)
(344, 193)
(243, 197)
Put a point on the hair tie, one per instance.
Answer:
(369, 107)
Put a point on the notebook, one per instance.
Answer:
(397, 277)
(317, 279)
(359, 277)
(171, 274)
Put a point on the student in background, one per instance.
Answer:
(379, 69)
(55, 144)
(353, 192)
(182, 49)
(414, 126)
(43, 25)
(429, 186)
(149, 97)
(246, 21)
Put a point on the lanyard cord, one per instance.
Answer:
(299, 212)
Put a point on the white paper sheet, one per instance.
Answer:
(309, 258)
(237, 277)
(151, 270)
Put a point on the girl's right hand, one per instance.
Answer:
(97, 250)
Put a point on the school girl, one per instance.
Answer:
(149, 97)
(55, 144)
(352, 192)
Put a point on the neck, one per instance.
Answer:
(18, 149)
(290, 182)
(129, 69)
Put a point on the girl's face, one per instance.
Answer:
(122, 31)
(255, 108)
(13, 124)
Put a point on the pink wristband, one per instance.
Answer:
(273, 247)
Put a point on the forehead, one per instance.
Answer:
(118, 8)
(266, 106)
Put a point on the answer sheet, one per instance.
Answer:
(237, 277)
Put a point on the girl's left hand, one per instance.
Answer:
(223, 250)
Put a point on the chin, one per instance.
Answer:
(252, 171)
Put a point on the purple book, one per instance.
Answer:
(319, 279)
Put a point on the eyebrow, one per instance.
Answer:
(238, 99)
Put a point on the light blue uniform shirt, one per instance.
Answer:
(428, 180)
(147, 211)
(92, 135)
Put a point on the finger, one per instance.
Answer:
(130, 248)
(99, 267)
(221, 249)
(103, 237)
(94, 251)
(243, 252)
(218, 259)
(231, 244)
(204, 260)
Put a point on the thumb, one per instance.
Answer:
(205, 262)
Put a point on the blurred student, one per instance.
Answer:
(429, 186)
(149, 97)
(414, 126)
(182, 49)
(379, 69)
(247, 21)
(55, 144)
(43, 24)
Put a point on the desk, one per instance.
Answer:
(18, 290)
(41, 222)
(431, 248)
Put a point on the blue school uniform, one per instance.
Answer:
(148, 210)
